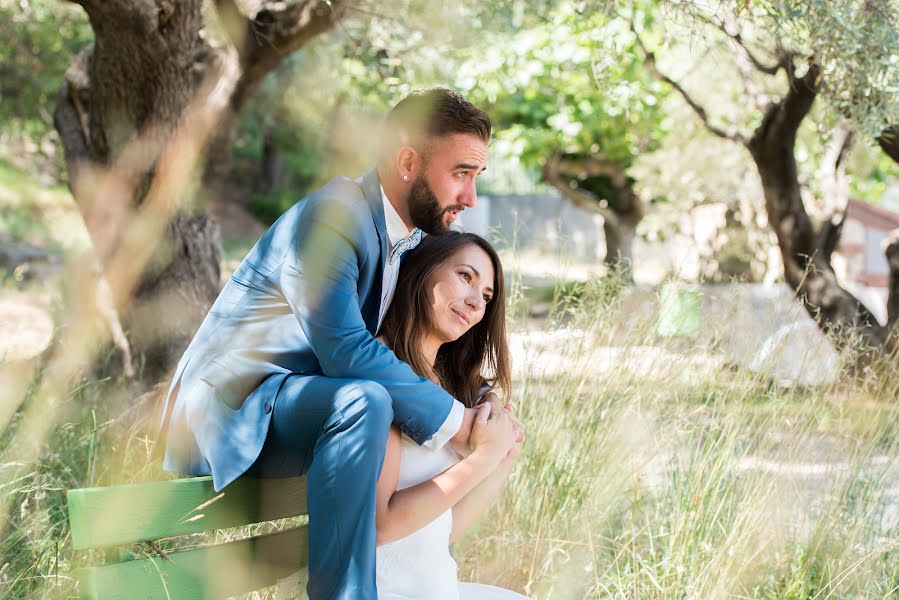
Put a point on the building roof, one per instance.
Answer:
(882, 218)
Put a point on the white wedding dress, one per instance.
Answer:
(419, 566)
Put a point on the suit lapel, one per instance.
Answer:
(371, 187)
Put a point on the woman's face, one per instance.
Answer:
(460, 289)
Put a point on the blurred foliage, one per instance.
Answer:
(323, 105)
(38, 215)
(38, 39)
(872, 171)
(574, 83)
(857, 44)
(554, 75)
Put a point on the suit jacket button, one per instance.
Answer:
(416, 436)
(267, 407)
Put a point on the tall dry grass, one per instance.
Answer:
(685, 477)
(652, 469)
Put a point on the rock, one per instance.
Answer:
(27, 329)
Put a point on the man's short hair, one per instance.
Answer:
(430, 113)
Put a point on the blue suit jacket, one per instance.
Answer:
(304, 301)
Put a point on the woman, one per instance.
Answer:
(447, 322)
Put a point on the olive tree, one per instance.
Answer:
(787, 54)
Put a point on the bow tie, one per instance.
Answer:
(404, 245)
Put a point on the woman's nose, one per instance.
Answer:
(475, 301)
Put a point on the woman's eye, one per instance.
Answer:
(487, 298)
(465, 276)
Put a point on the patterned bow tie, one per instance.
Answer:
(404, 245)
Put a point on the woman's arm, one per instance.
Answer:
(469, 510)
(400, 513)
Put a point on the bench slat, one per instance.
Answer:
(147, 511)
(203, 574)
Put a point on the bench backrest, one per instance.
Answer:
(115, 516)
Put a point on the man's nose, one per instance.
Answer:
(469, 197)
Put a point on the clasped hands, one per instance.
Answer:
(494, 426)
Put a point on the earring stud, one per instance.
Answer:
(405, 178)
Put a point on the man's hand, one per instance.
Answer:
(496, 406)
(459, 442)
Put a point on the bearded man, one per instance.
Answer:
(284, 376)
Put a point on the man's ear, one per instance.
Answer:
(408, 163)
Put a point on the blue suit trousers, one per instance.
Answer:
(334, 431)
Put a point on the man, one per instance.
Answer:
(284, 375)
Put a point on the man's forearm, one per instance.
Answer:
(450, 428)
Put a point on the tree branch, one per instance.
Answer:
(745, 62)
(70, 118)
(834, 188)
(829, 236)
(759, 98)
(801, 96)
(579, 197)
(728, 134)
(594, 167)
(832, 170)
(278, 28)
(737, 40)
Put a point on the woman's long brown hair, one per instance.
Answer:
(461, 363)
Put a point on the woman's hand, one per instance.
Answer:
(492, 399)
(506, 464)
(494, 436)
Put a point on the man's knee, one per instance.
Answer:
(369, 400)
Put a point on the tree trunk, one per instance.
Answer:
(272, 163)
(572, 177)
(620, 234)
(889, 142)
(892, 252)
(806, 265)
(137, 114)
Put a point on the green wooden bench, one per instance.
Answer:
(114, 518)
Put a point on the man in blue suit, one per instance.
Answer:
(285, 377)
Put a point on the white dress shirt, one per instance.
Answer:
(397, 230)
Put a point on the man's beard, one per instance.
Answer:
(425, 209)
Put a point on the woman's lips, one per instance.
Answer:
(462, 317)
